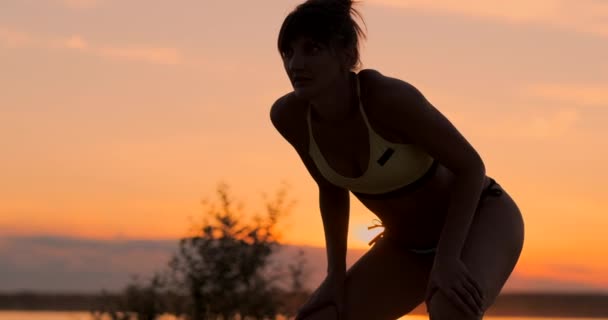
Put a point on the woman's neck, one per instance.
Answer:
(339, 102)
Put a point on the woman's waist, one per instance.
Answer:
(414, 235)
(412, 231)
(416, 222)
(429, 202)
(427, 206)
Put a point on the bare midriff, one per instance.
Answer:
(416, 217)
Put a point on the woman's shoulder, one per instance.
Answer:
(380, 95)
(287, 114)
(379, 85)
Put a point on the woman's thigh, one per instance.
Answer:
(491, 251)
(385, 283)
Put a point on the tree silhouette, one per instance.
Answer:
(224, 269)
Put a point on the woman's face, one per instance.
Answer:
(311, 67)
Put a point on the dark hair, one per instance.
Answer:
(329, 22)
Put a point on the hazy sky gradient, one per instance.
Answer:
(118, 117)
(64, 264)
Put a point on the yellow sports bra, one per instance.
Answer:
(391, 166)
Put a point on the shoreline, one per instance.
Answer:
(562, 305)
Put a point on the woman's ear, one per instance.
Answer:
(346, 56)
(349, 58)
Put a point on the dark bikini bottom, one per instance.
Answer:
(493, 189)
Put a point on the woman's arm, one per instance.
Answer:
(464, 198)
(334, 203)
(406, 111)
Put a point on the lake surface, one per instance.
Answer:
(28, 315)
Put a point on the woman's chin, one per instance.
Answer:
(304, 93)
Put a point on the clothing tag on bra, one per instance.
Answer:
(385, 156)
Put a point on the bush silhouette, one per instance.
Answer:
(223, 270)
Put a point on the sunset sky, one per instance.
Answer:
(118, 117)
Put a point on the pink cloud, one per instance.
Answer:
(158, 55)
(576, 94)
(133, 52)
(75, 42)
(535, 125)
(587, 16)
(14, 39)
(514, 11)
(80, 4)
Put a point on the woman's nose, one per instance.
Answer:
(296, 62)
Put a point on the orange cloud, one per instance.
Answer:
(583, 16)
(14, 39)
(505, 10)
(75, 42)
(576, 94)
(80, 4)
(592, 274)
(136, 52)
(548, 126)
(539, 126)
(141, 53)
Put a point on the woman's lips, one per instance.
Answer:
(300, 81)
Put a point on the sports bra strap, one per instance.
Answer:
(360, 103)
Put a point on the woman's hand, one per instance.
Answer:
(330, 293)
(451, 276)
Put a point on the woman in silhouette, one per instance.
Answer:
(452, 235)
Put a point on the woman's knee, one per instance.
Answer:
(440, 307)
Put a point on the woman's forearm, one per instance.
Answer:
(335, 207)
(463, 204)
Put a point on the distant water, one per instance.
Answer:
(28, 315)
(45, 315)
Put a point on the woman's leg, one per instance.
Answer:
(384, 284)
(491, 251)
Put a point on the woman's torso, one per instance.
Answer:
(416, 215)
